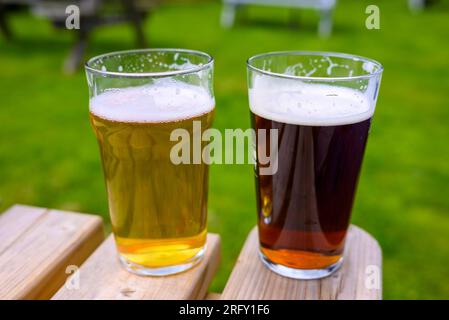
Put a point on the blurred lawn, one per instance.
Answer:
(49, 156)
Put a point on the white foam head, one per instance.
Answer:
(162, 101)
(295, 102)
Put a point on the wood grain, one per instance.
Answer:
(213, 296)
(360, 277)
(37, 245)
(102, 277)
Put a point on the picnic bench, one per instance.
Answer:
(93, 14)
(53, 254)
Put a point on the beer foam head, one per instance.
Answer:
(295, 102)
(162, 101)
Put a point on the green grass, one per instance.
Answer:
(49, 156)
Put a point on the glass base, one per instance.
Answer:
(302, 274)
(142, 270)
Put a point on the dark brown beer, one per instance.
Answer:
(305, 207)
(318, 108)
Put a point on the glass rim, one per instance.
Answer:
(199, 67)
(315, 53)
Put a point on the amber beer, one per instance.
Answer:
(158, 209)
(304, 207)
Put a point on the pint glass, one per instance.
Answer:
(321, 105)
(158, 207)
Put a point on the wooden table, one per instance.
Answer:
(51, 254)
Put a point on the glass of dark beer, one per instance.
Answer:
(321, 105)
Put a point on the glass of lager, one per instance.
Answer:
(158, 206)
(321, 105)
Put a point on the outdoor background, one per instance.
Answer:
(49, 156)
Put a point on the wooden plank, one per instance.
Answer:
(102, 277)
(37, 245)
(213, 296)
(359, 278)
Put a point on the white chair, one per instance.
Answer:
(325, 8)
(416, 5)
